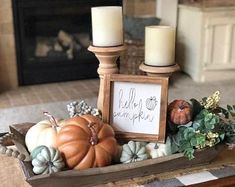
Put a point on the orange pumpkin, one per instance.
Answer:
(87, 142)
(180, 112)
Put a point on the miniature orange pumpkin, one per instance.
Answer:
(179, 112)
(87, 142)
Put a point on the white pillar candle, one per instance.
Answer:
(159, 45)
(107, 26)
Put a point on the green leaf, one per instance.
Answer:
(208, 117)
(204, 99)
(189, 133)
(229, 107)
(210, 121)
(177, 138)
(197, 124)
(209, 126)
(184, 144)
(194, 141)
(222, 136)
(189, 153)
(174, 145)
(201, 115)
(217, 141)
(205, 112)
(201, 139)
(196, 106)
(231, 110)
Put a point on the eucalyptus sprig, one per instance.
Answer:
(204, 131)
(188, 139)
(197, 137)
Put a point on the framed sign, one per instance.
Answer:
(136, 106)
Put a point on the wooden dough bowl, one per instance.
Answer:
(117, 172)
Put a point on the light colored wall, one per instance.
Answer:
(167, 12)
(8, 71)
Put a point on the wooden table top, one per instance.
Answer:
(11, 174)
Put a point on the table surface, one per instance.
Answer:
(222, 168)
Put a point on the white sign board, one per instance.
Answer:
(136, 107)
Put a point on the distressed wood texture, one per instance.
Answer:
(109, 174)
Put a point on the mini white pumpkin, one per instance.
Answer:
(46, 160)
(43, 133)
(156, 150)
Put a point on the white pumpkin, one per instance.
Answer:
(156, 150)
(43, 133)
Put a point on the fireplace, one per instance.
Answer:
(52, 39)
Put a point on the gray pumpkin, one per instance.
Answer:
(46, 160)
(132, 152)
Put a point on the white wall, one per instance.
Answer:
(167, 11)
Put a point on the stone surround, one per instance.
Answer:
(8, 70)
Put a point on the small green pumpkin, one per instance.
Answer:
(46, 160)
(132, 152)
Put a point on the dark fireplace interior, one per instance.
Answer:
(52, 39)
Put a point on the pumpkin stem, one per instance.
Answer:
(51, 119)
(94, 138)
(156, 146)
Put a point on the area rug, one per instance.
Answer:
(34, 113)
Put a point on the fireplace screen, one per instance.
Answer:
(52, 39)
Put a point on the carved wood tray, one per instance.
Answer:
(117, 172)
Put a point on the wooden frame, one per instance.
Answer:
(124, 96)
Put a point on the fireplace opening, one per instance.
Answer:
(52, 39)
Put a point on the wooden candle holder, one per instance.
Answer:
(159, 71)
(107, 57)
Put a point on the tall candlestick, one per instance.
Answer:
(107, 26)
(159, 45)
(107, 57)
